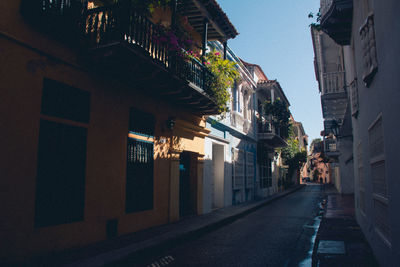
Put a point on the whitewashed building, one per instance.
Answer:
(369, 33)
(230, 148)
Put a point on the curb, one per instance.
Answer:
(118, 256)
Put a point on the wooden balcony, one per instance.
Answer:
(334, 105)
(124, 43)
(120, 42)
(333, 82)
(270, 135)
(336, 19)
(330, 148)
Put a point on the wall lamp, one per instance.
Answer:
(170, 123)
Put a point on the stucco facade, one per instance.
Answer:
(71, 138)
(230, 148)
(370, 47)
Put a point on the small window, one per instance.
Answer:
(238, 169)
(64, 101)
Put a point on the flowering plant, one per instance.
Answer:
(174, 40)
(225, 75)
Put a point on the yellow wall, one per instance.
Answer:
(27, 56)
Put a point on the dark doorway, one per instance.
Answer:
(187, 188)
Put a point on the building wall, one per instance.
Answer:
(209, 178)
(28, 57)
(378, 216)
(346, 167)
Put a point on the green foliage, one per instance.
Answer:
(317, 23)
(147, 6)
(316, 174)
(315, 141)
(292, 155)
(280, 115)
(225, 75)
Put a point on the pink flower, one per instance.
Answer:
(217, 53)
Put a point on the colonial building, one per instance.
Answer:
(335, 102)
(302, 138)
(230, 148)
(270, 136)
(369, 34)
(103, 124)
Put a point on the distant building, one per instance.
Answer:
(270, 169)
(302, 138)
(330, 74)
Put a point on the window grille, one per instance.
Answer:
(139, 182)
(354, 98)
(140, 162)
(361, 180)
(249, 169)
(266, 175)
(238, 169)
(376, 139)
(378, 177)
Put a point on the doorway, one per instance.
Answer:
(218, 176)
(187, 183)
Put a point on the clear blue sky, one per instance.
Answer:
(275, 34)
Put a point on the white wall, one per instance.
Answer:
(382, 97)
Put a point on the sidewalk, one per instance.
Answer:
(340, 241)
(147, 241)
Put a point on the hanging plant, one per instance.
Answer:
(225, 75)
(175, 40)
(279, 111)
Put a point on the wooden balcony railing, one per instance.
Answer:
(265, 127)
(112, 24)
(330, 145)
(336, 19)
(334, 82)
(325, 6)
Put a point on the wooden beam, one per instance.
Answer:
(208, 16)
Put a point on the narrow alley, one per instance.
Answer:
(278, 234)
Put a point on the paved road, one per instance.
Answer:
(279, 234)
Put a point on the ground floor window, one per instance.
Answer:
(61, 161)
